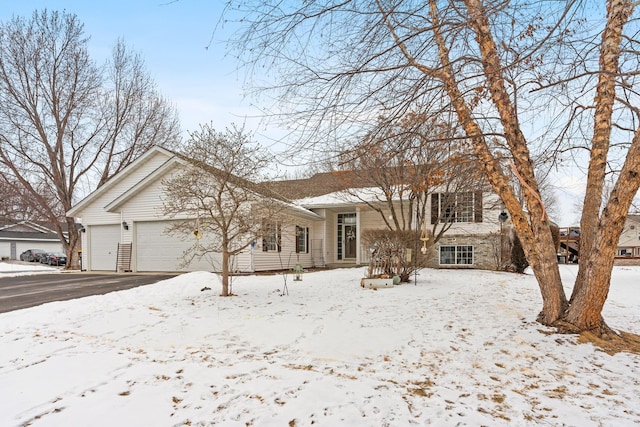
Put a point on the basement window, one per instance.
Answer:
(456, 255)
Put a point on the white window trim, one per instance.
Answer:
(304, 238)
(473, 257)
(271, 241)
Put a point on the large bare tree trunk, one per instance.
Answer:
(618, 13)
(588, 300)
(533, 230)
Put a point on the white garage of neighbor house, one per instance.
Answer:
(323, 227)
(19, 236)
(123, 221)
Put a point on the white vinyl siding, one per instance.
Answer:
(94, 213)
(630, 235)
(286, 258)
(103, 246)
(491, 209)
(147, 203)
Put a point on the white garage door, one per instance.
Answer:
(158, 251)
(5, 250)
(103, 246)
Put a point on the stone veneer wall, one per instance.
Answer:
(485, 251)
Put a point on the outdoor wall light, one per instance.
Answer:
(125, 225)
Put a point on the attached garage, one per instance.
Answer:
(103, 246)
(158, 251)
(133, 203)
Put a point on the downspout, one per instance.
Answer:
(357, 235)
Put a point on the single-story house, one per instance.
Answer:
(323, 226)
(17, 236)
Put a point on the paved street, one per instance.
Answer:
(28, 291)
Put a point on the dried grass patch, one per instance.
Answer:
(613, 343)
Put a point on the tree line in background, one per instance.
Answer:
(67, 123)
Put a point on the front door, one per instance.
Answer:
(350, 241)
(347, 236)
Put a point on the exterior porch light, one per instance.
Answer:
(125, 225)
(502, 218)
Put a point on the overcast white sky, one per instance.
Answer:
(172, 37)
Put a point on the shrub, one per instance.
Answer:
(388, 252)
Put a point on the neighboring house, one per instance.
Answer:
(627, 250)
(629, 243)
(323, 226)
(18, 236)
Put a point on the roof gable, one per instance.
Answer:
(143, 183)
(115, 180)
(26, 227)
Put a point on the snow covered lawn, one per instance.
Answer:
(459, 348)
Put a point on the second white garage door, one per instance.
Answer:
(158, 251)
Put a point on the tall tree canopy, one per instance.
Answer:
(527, 82)
(66, 123)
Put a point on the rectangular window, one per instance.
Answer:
(302, 240)
(271, 237)
(456, 255)
(456, 207)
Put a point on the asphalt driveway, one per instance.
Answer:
(28, 291)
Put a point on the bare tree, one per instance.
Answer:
(14, 203)
(405, 161)
(215, 195)
(66, 122)
(498, 68)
